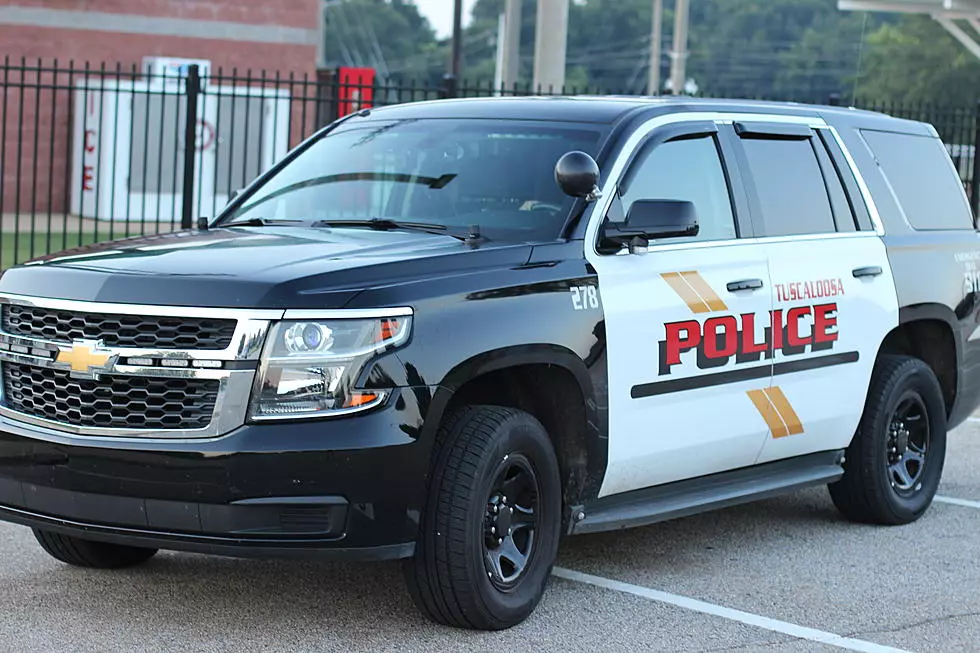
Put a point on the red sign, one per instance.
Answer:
(355, 89)
(90, 142)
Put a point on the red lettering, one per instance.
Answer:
(677, 343)
(88, 177)
(823, 321)
(793, 338)
(728, 325)
(777, 329)
(749, 345)
(90, 140)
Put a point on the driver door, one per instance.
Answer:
(686, 322)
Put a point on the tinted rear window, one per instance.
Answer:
(918, 169)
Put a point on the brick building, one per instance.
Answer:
(39, 106)
(257, 34)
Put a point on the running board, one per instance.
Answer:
(690, 497)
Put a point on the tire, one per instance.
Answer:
(874, 489)
(93, 555)
(462, 575)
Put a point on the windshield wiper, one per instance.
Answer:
(258, 222)
(385, 224)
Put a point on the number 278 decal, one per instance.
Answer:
(584, 297)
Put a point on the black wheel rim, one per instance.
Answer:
(510, 522)
(908, 444)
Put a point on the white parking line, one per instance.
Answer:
(966, 503)
(786, 628)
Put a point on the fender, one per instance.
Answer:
(966, 393)
(536, 354)
(938, 312)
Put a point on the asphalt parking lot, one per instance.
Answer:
(785, 574)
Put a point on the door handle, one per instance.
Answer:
(745, 284)
(869, 271)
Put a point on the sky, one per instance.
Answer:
(440, 14)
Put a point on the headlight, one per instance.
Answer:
(309, 367)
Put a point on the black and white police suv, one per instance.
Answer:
(454, 332)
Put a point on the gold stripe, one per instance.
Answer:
(707, 294)
(686, 293)
(779, 400)
(768, 412)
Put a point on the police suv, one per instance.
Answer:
(454, 332)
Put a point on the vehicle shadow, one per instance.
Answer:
(734, 532)
(175, 601)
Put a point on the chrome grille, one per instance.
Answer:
(141, 331)
(126, 402)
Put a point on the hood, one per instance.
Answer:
(252, 267)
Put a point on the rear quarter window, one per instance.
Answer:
(925, 183)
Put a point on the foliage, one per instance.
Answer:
(388, 35)
(784, 49)
(917, 61)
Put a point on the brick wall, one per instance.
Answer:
(290, 13)
(128, 50)
(35, 155)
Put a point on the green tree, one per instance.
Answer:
(388, 35)
(799, 49)
(781, 49)
(917, 61)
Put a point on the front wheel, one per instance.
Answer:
(893, 466)
(491, 524)
(88, 553)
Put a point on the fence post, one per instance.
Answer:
(975, 177)
(193, 87)
(449, 87)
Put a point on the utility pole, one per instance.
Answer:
(512, 43)
(550, 45)
(678, 70)
(457, 61)
(656, 41)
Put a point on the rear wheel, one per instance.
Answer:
(87, 553)
(490, 528)
(893, 466)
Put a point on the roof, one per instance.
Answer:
(606, 109)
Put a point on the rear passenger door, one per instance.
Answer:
(833, 294)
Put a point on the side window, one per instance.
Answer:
(687, 169)
(927, 186)
(789, 183)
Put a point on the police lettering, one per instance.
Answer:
(791, 331)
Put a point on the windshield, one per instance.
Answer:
(450, 173)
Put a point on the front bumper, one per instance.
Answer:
(348, 488)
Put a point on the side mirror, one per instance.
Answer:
(652, 219)
(663, 218)
(577, 174)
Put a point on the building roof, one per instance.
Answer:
(952, 9)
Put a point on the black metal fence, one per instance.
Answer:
(93, 153)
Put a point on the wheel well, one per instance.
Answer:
(932, 342)
(553, 396)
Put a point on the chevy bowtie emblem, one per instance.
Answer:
(87, 358)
